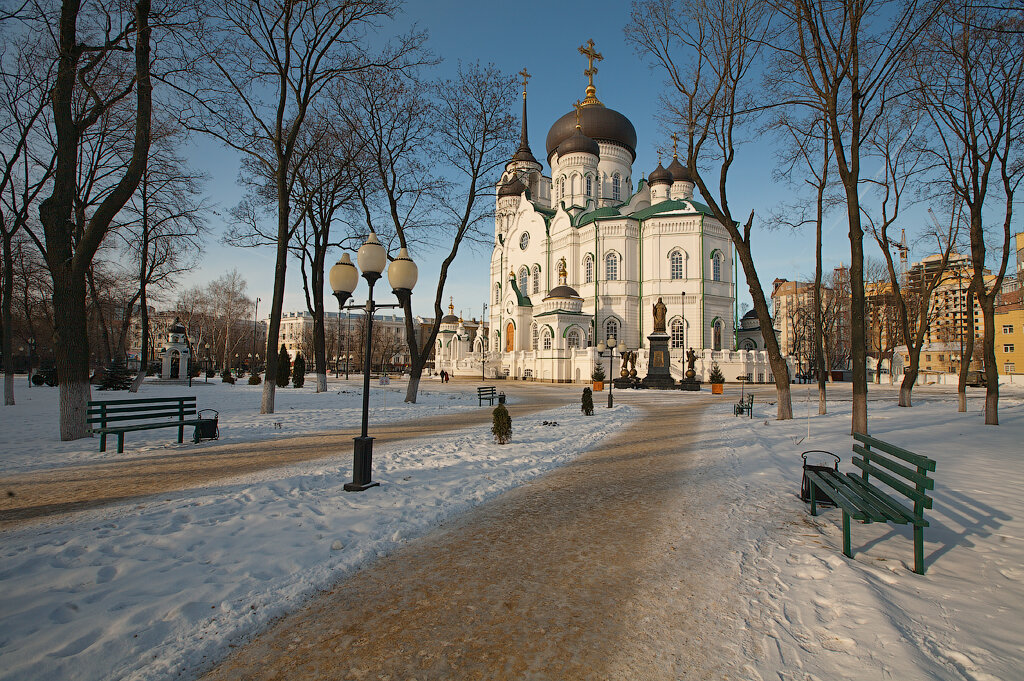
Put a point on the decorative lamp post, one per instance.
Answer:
(255, 317)
(611, 348)
(31, 357)
(402, 275)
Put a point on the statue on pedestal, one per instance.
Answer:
(691, 359)
(659, 316)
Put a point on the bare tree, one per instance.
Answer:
(267, 64)
(970, 85)
(93, 66)
(847, 54)
(710, 51)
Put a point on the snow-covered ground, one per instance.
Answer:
(810, 613)
(33, 419)
(150, 590)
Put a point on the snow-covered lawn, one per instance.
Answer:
(30, 437)
(150, 590)
(811, 613)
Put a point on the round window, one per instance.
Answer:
(524, 240)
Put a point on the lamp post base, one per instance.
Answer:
(362, 466)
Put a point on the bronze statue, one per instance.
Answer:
(562, 271)
(659, 316)
(691, 359)
(628, 364)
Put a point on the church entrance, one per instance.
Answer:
(510, 337)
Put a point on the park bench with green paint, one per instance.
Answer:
(118, 417)
(746, 405)
(905, 475)
(488, 393)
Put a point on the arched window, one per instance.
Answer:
(590, 185)
(678, 334)
(497, 294)
(536, 279)
(611, 267)
(749, 344)
(533, 336)
(676, 264)
(716, 335)
(616, 187)
(547, 338)
(590, 336)
(611, 329)
(716, 266)
(523, 276)
(588, 270)
(561, 188)
(572, 339)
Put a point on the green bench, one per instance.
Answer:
(109, 417)
(904, 473)
(746, 405)
(487, 392)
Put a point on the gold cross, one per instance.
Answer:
(579, 110)
(526, 76)
(592, 55)
(675, 140)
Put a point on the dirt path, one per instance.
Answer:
(605, 568)
(50, 492)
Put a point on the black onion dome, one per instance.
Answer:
(513, 188)
(659, 176)
(680, 173)
(449, 319)
(579, 142)
(177, 327)
(599, 123)
(562, 291)
(524, 154)
(752, 314)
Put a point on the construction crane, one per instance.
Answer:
(904, 251)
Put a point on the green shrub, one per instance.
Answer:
(284, 367)
(598, 374)
(502, 427)
(227, 377)
(299, 373)
(117, 377)
(588, 401)
(254, 379)
(716, 374)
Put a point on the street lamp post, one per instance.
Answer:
(611, 348)
(255, 317)
(402, 274)
(31, 357)
(483, 350)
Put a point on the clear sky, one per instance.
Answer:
(543, 37)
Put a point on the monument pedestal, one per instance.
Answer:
(659, 376)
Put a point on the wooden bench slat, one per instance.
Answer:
(137, 417)
(898, 485)
(894, 506)
(840, 493)
(874, 499)
(142, 400)
(144, 408)
(896, 467)
(916, 459)
(146, 426)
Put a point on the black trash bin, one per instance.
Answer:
(207, 428)
(501, 398)
(821, 497)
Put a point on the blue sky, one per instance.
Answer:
(543, 37)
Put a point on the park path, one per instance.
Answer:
(610, 567)
(39, 494)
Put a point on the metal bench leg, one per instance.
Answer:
(120, 443)
(846, 535)
(814, 500)
(181, 434)
(918, 549)
(103, 442)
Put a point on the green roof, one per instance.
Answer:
(606, 212)
(559, 311)
(671, 206)
(520, 298)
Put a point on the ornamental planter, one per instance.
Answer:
(716, 388)
(598, 386)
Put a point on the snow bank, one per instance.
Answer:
(153, 590)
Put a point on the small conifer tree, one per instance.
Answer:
(588, 402)
(716, 374)
(598, 374)
(502, 427)
(284, 367)
(299, 374)
(254, 379)
(227, 377)
(117, 377)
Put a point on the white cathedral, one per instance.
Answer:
(583, 255)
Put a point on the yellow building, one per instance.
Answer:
(1010, 340)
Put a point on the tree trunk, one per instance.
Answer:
(5, 302)
(71, 351)
(988, 348)
(143, 262)
(910, 375)
(277, 302)
(966, 353)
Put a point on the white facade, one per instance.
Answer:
(623, 248)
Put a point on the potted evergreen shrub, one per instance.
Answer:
(716, 379)
(502, 426)
(598, 377)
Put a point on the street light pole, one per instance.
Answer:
(344, 277)
(483, 350)
(610, 348)
(255, 317)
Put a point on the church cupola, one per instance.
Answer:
(577, 176)
(660, 182)
(682, 178)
